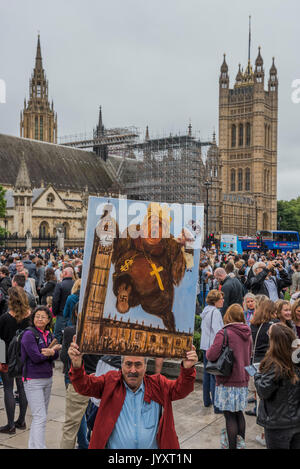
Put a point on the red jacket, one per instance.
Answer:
(240, 341)
(110, 388)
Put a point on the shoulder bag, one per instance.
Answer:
(223, 365)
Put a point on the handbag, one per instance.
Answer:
(223, 365)
(3, 368)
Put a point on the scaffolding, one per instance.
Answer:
(171, 170)
(166, 169)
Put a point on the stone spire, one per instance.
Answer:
(38, 57)
(23, 179)
(147, 133)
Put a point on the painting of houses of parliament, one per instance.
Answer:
(140, 275)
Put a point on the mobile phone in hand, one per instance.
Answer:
(251, 370)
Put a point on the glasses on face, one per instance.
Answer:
(41, 318)
(137, 365)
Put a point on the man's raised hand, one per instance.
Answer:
(191, 358)
(74, 354)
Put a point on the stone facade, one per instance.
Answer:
(48, 186)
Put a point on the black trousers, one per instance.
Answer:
(9, 400)
(283, 438)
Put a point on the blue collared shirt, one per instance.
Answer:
(137, 424)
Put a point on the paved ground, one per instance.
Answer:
(197, 427)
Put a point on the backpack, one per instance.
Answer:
(14, 362)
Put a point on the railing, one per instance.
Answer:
(16, 242)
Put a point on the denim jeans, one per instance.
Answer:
(82, 440)
(209, 385)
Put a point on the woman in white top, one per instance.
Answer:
(211, 323)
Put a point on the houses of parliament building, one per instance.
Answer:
(47, 184)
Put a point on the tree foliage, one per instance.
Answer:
(288, 214)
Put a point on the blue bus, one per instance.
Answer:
(276, 240)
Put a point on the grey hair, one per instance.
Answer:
(248, 295)
(257, 265)
(220, 272)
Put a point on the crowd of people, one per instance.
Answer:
(253, 299)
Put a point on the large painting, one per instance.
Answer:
(139, 278)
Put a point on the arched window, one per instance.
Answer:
(44, 230)
(240, 179)
(66, 229)
(232, 180)
(247, 179)
(241, 135)
(50, 199)
(233, 135)
(248, 134)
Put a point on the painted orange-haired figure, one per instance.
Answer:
(149, 266)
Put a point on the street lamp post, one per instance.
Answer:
(207, 185)
(5, 233)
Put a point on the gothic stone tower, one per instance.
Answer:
(248, 121)
(38, 120)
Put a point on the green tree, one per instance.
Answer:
(2, 208)
(288, 214)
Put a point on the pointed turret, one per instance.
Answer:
(190, 129)
(259, 71)
(23, 179)
(100, 126)
(224, 78)
(273, 80)
(239, 77)
(147, 134)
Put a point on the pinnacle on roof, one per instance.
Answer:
(273, 69)
(224, 66)
(259, 59)
(23, 179)
(239, 75)
(147, 133)
(38, 57)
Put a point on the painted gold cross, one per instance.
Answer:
(155, 272)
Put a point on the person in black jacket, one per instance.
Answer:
(17, 317)
(30, 266)
(232, 289)
(266, 282)
(278, 386)
(5, 281)
(60, 295)
(49, 286)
